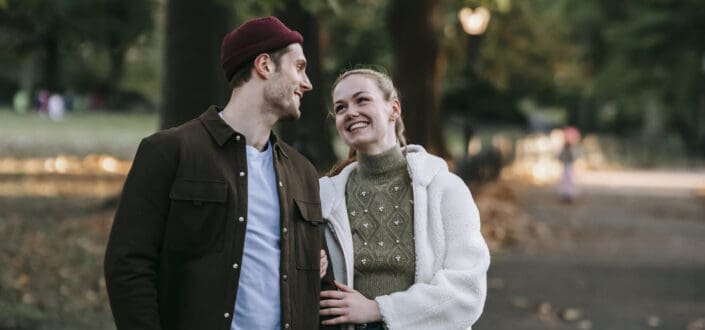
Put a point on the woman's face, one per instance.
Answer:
(363, 118)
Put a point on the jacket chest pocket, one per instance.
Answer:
(196, 216)
(309, 233)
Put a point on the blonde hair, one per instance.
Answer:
(389, 93)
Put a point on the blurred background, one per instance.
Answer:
(579, 126)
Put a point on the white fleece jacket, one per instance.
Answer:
(451, 255)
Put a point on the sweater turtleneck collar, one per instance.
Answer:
(381, 164)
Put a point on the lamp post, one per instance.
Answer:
(474, 22)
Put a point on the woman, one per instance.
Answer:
(566, 186)
(403, 232)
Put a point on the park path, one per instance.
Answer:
(628, 254)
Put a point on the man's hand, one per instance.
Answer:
(324, 263)
(349, 305)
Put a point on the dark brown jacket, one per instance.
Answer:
(173, 256)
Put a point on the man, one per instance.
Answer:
(219, 224)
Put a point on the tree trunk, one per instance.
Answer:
(415, 31)
(311, 135)
(50, 63)
(117, 70)
(193, 75)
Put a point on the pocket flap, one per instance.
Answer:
(199, 190)
(309, 211)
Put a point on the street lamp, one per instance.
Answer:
(474, 22)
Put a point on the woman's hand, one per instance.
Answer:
(349, 305)
(324, 263)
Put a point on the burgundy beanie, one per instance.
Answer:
(252, 38)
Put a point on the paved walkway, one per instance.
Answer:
(655, 182)
(628, 254)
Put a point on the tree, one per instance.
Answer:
(650, 67)
(419, 68)
(113, 25)
(48, 29)
(309, 134)
(193, 75)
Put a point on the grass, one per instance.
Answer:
(31, 135)
(51, 248)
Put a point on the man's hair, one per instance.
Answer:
(243, 75)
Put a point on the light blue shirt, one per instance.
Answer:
(258, 294)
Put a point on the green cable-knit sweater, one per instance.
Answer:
(379, 200)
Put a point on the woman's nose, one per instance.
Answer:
(351, 112)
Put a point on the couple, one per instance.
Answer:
(220, 224)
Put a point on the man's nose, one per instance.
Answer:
(306, 84)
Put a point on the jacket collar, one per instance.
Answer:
(422, 166)
(221, 132)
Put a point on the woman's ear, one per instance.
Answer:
(263, 65)
(396, 110)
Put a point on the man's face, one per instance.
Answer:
(288, 83)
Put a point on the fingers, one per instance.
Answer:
(331, 294)
(331, 311)
(323, 264)
(322, 272)
(338, 320)
(327, 303)
(343, 287)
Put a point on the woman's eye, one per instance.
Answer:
(338, 108)
(362, 100)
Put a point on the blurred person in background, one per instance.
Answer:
(404, 233)
(55, 107)
(567, 190)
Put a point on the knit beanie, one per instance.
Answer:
(252, 38)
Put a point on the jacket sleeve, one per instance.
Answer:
(134, 247)
(328, 284)
(455, 295)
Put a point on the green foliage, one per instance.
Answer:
(80, 44)
(653, 51)
(521, 55)
(357, 37)
(113, 23)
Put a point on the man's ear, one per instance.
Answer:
(264, 65)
